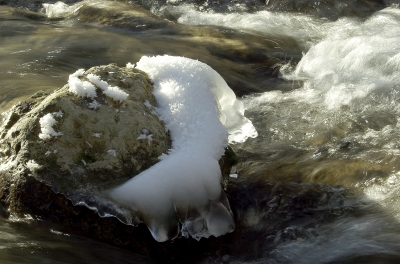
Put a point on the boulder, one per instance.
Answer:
(77, 144)
(60, 152)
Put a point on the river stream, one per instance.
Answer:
(320, 82)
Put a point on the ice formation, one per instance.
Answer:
(111, 91)
(81, 88)
(46, 125)
(199, 109)
(95, 79)
(94, 105)
(88, 89)
(115, 93)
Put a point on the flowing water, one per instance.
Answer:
(320, 82)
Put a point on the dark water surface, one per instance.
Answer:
(319, 79)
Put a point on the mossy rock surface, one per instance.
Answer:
(97, 147)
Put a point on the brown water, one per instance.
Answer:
(40, 53)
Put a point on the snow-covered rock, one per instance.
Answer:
(57, 151)
(76, 149)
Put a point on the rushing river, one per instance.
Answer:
(320, 82)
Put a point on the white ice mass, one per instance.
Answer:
(199, 110)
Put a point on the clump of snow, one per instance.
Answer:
(33, 166)
(113, 92)
(81, 88)
(94, 105)
(112, 152)
(46, 124)
(97, 135)
(58, 114)
(130, 65)
(146, 135)
(87, 89)
(95, 79)
(116, 93)
(78, 73)
(199, 109)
